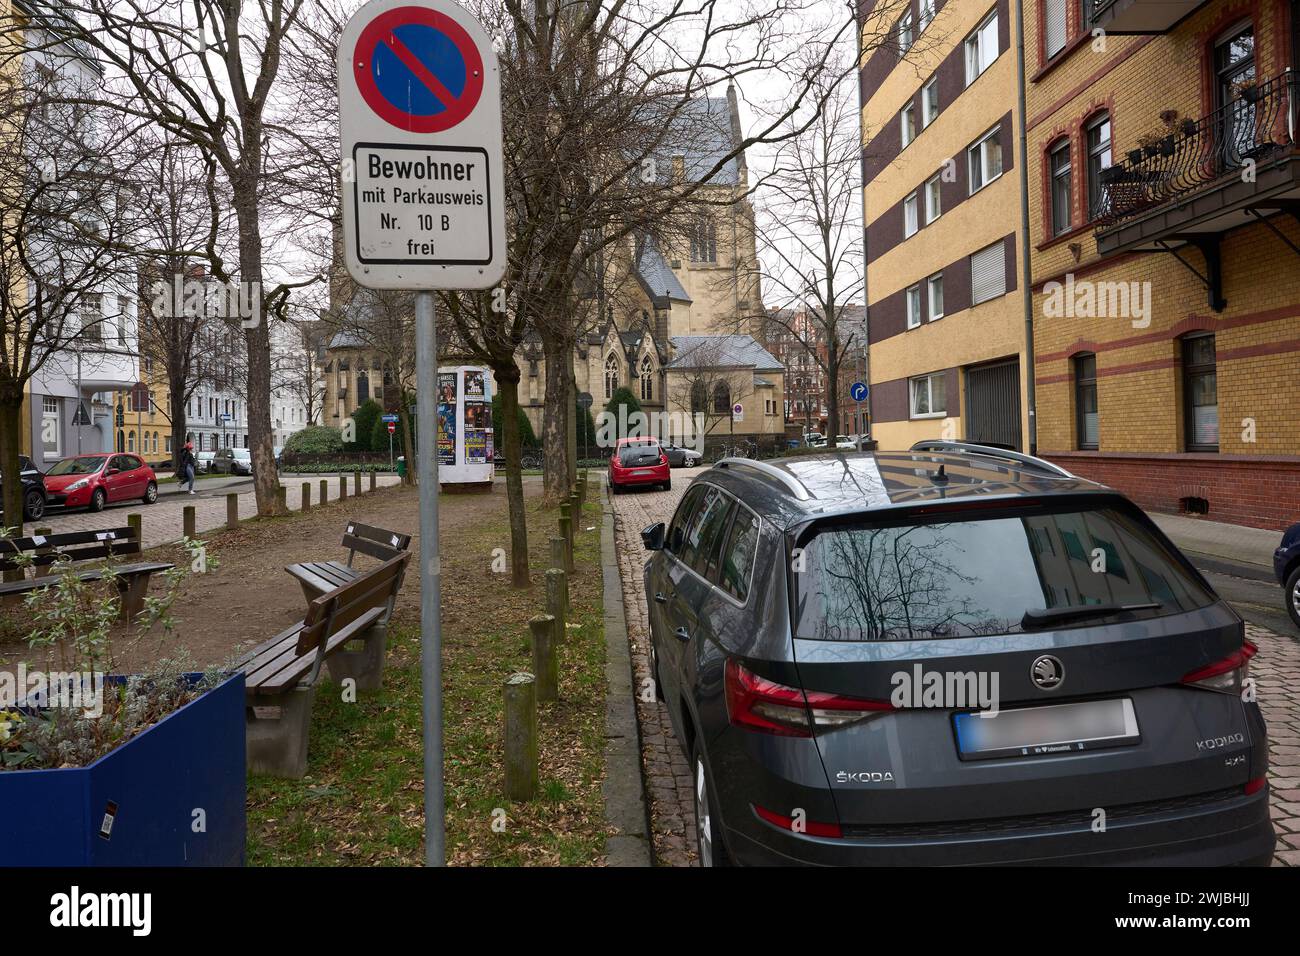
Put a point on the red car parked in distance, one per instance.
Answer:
(638, 462)
(93, 481)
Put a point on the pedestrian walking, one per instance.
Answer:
(187, 466)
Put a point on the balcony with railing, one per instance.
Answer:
(1138, 16)
(1201, 177)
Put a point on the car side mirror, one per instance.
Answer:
(653, 537)
(113, 471)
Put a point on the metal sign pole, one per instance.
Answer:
(426, 361)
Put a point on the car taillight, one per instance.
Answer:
(1256, 785)
(806, 827)
(1227, 675)
(663, 459)
(756, 703)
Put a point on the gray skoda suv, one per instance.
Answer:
(955, 654)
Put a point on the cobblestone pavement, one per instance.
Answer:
(668, 778)
(164, 520)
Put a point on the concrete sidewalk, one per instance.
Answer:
(1227, 541)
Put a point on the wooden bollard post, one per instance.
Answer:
(559, 552)
(373, 478)
(188, 523)
(135, 521)
(356, 483)
(282, 496)
(41, 570)
(546, 664)
(324, 490)
(557, 602)
(306, 496)
(565, 533)
(521, 736)
(232, 510)
(343, 487)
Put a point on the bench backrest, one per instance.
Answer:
(375, 542)
(335, 610)
(70, 546)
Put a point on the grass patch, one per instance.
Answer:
(362, 800)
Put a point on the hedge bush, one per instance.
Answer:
(315, 440)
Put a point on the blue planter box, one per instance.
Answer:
(191, 760)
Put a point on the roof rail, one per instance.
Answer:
(795, 486)
(988, 451)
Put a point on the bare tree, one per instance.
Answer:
(204, 70)
(810, 241)
(66, 232)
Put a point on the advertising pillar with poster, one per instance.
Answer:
(465, 440)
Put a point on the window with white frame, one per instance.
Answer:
(984, 160)
(982, 48)
(935, 287)
(50, 428)
(933, 200)
(926, 17)
(929, 101)
(90, 312)
(907, 124)
(914, 307)
(906, 32)
(910, 219)
(928, 398)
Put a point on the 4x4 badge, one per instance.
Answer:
(1047, 672)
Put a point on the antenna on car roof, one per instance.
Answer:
(942, 476)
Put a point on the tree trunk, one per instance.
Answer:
(555, 419)
(507, 377)
(261, 439)
(571, 433)
(10, 437)
(180, 419)
(832, 390)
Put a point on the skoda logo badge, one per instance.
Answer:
(1047, 672)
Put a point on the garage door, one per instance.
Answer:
(993, 404)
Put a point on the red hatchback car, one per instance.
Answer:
(93, 481)
(638, 462)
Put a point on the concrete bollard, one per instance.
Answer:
(546, 663)
(232, 511)
(306, 496)
(282, 497)
(557, 602)
(188, 522)
(343, 487)
(356, 483)
(324, 490)
(559, 553)
(521, 736)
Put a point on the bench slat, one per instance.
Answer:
(12, 545)
(269, 650)
(340, 606)
(90, 574)
(287, 668)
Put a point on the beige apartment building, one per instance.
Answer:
(946, 343)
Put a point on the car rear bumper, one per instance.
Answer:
(627, 479)
(1224, 830)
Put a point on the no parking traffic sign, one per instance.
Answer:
(420, 125)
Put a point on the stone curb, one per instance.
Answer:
(623, 790)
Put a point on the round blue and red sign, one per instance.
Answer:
(418, 69)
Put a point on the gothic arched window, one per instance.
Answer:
(611, 375)
(647, 379)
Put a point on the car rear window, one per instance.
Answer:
(634, 455)
(976, 577)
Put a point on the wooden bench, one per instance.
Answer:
(132, 579)
(319, 577)
(280, 675)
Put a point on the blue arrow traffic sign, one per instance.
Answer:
(858, 391)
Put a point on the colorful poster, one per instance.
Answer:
(474, 385)
(447, 388)
(475, 446)
(446, 433)
(478, 415)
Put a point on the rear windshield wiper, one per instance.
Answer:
(1041, 617)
